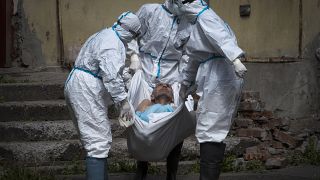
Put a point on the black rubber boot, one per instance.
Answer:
(142, 170)
(211, 157)
(173, 162)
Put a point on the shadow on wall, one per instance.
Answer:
(27, 51)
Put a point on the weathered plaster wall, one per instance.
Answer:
(82, 18)
(273, 30)
(38, 30)
(37, 27)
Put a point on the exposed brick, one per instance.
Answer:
(274, 151)
(254, 115)
(250, 105)
(284, 138)
(267, 114)
(268, 137)
(261, 120)
(252, 132)
(250, 95)
(275, 122)
(276, 144)
(240, 122)
(276, 163)
(253, 149)
(256, 153)
(245, 142)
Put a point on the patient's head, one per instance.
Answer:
(162, 94)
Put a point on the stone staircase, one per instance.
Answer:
(36, 132)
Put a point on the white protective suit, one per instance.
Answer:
(161, 49)
(211, 48)
(97, 75)
(163, 36)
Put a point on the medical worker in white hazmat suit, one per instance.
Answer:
(164, 32)
(97, 73)
(215, 66)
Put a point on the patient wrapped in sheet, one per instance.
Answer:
(161, 101)
(154, 140)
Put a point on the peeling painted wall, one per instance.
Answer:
(83, 18)
(37, 35)
(273, 30)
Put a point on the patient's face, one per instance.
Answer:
(163, 92)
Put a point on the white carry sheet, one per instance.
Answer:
(153, 141)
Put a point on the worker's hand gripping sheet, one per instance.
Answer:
(153, 140)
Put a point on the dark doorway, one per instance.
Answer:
(5, 33)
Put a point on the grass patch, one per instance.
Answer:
(2, 99)
(154, 169)
(310, 156)
(21, 173)
(195, 168)
(122, 166)
(76, 168)
(228, 163)
(254, 165)
(5, 79)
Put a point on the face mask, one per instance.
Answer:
(123, 34)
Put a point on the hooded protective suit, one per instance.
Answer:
(211, 48)
(97, 75)
(163, 35)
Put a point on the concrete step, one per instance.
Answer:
(33, 110)
(47, 130)
(57, 110)
(37, 131)
(31, 91)
(46, 152)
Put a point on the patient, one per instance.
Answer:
(161, 97)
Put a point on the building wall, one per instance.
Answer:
(274, 30)
(39, 32)
(83, 18)
(38, 26)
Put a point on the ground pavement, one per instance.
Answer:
(291, 173)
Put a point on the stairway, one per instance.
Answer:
(36, 132)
